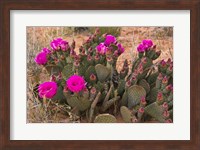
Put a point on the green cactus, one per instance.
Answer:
(105, 118)
(135, 93)
(53, 69)
(124, 100)
(121, 87)
(152, 78)
(153, 95)
(67, 71)
(155, 111)
(127, 115)
(59, 94)
(103, 73)
(80, 102)
(145, 85)
(89, 72)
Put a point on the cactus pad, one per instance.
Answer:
(135, 93)
(124, 100)
(59, 94)
(105, 118)
(80, 103)
(126, 114)
(121, 87)
(145, 85)
(152, 78)
(103, 73)
(155, 111)
(89, 71)
(67, 71)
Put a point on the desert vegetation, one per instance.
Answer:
(99, 74)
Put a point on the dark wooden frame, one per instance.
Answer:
(7, 5)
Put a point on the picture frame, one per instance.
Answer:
(6, 6)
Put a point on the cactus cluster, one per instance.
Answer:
(89, 82)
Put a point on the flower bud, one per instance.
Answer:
(165, 106)
(159, 98)
(128, 83)
(93, 93)
(144, 60)
(140, 113)
(76, 64)
(109, 59)
(53, 78)
(90, 50)
(62, 57)
(141, 110)
(134, 120)
(166, 114)
(93, 77)
(143, 101)
(165, 80)
(115, 54)
(168, 121)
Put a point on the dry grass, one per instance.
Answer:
(40, 37)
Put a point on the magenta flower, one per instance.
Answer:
(41, 58)
(101, 48)
(47, 89)
(46, 50)
(76, 83)
(59, 43)
(109, 40)
(140, 48)
(147, 43)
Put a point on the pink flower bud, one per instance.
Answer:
(53, 78)
(169, 87)
(165, 80)
(143, 100)
(141, 110)
(134, 120)
(144, 60)
(166, 114)
(168, 121)
(93, 90)
(163, 63)
(93, 77)
(165, 106)
(128, 83)
(159, 96)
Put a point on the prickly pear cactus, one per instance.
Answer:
(135, 93)
(90, 81)
(105, 118)
(126, 114)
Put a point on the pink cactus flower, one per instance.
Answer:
(41, 58)
(141, 48)
(46, 50)
(110, 39)
(101, 48)
(47, 89)
(76, 83)
(144, 46)
(147, 43)
(59, 43)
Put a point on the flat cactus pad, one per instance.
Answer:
(105, 118)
